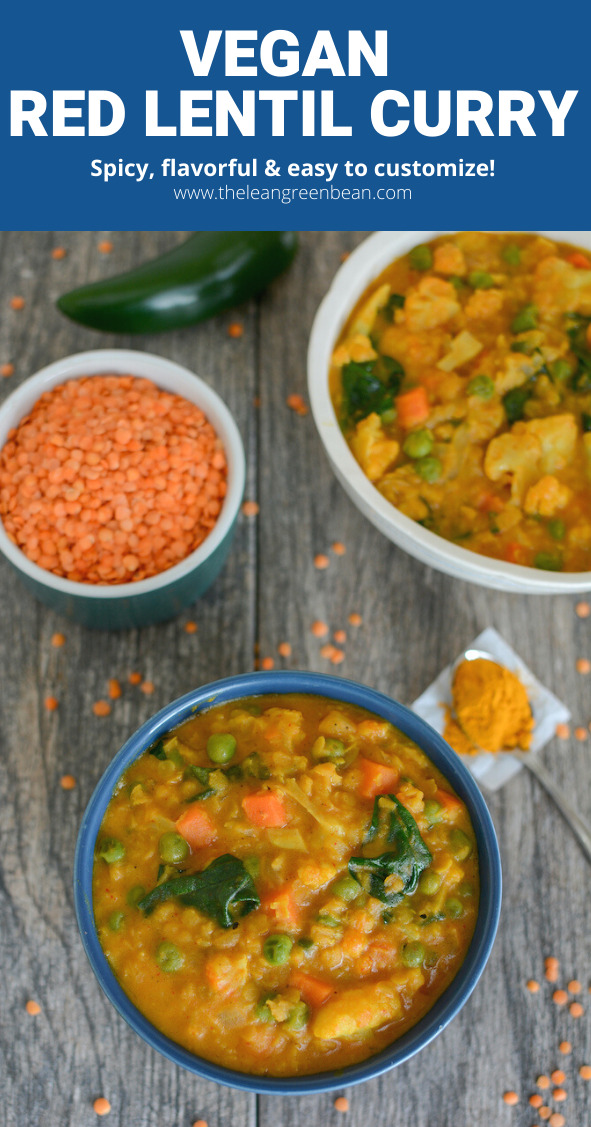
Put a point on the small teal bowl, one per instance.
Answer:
(163, 596)
(252, 684)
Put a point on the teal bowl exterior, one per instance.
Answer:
(132, 605)
(336, 688)
(134, 611)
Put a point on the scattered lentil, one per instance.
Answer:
(190, 627)
(59, 253)
(147, 687)
(341, 1103)
(533, 986)
(235, 330)
(267, 663)
(17, 303)
(575, 1009)
(110, 479)
(545, 1112)
(101, 708)
(565, 1048)
(321, 561)
(536, 1100)
(556, 1119)
(559, 1095)
(585, 1072)
(135, 678)
(560, 997)
(558, 1076)
(67, 782)
(583, 665)
(250, 508)
(101, 1106)
(327, 650)
(114, 688)
(562, 731)
(284, 649)
(105, 247)
(511, 1098)
(355, 619)
(33, 1008)
(200, 1123)
(337, 656)
(58, 640)
(7, 370)
(583, 610)
(543, 1081)
(574, 986)
(319, 629)
(298, 404)
(338, 548)
(340, 636)
(581, 733)
(51, 703)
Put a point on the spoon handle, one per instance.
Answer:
(578, 825)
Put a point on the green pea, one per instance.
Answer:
(527, 318)
(413, 954)
(548, 561)
(418, 444)
(298, 1017)
(262, 1012)
(454, 908)
(481, 280)
(252, 866)
(169, 958)
(116, 920)
(174, 756)
(172, 848)
(430, 883)
(305, 943)
(277, 949)
(557, 529)
(388, 416)
(465, 889)
(430, 469)
(347, 888)
(333, 749)
(221, 747)
(457, 283)
(432, 810)
(460, 843)
(511, 254)
(110, 850)
(135, 894)
(560, 370)
(421, 258)
(482, 386)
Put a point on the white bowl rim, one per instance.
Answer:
(363, 265)
(146, 365)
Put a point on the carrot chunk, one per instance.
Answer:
(313, 990)
(282, 906)
(412, 407)
(265, 809)
(579, 260)
(376, 778)
(197, 828)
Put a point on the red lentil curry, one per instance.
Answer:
(285, 884)
(462, 381)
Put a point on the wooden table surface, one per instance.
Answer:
(414, 621)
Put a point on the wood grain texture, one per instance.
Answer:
(414, 621)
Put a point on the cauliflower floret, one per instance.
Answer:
(357, 347)
(484, 303)
(557, 435)
(366, 318)
(515, 371)
(513, 459)
(415, 351)
(463, 347)
(484, 419)
(430, 303)
(546, 497)
(448, 259)
(373, 450)
(561, 288)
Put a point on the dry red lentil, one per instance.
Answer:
(558, 1076)
(250, 508)
(338, 548)
(105, 247)
(101, 1106)
(340, 636)
(110, 480)
(511, 1098)
(135, 678)
(147, 687)
(562, 731)
(284, 649)
(545, 1112)
(341, 1103)
(67, 782)
(114, 689)
(556, 1119)
(583, 610)
(298, 404)
(59, 253)
(581, 733)
(355, 619)
(7, 370)
(235, 330)
(101, 708)
(17, 303)
(337, 656)
(33, 1008)
(574, 986)
(543, 1081)
(327, 650)
(575, 1009)
(536, 1100)
(585, 1072)
(583, 665)
(565, 1048)
(190, 627)
(560, 997)
(267, 663)
(58, 640)
(319, 629)
(200, 1123)
(533, 986)
(321, 561)
(559, 1095)
(51, 703)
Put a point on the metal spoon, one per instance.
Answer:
(578, 825)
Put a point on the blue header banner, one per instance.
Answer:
(189, 115)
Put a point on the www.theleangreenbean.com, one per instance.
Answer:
(288, 195)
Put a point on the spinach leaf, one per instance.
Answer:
(406, 860)
(369, 387)
(514, 403)
(577, 334)
(157, 749)
(586, 422)
(395, 301)
(224, 891)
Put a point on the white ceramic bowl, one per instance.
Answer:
(164, 595)
(364, 265)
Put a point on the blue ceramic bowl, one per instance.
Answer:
(251, 684)
(162, 596)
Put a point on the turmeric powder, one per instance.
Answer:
(490, 707)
